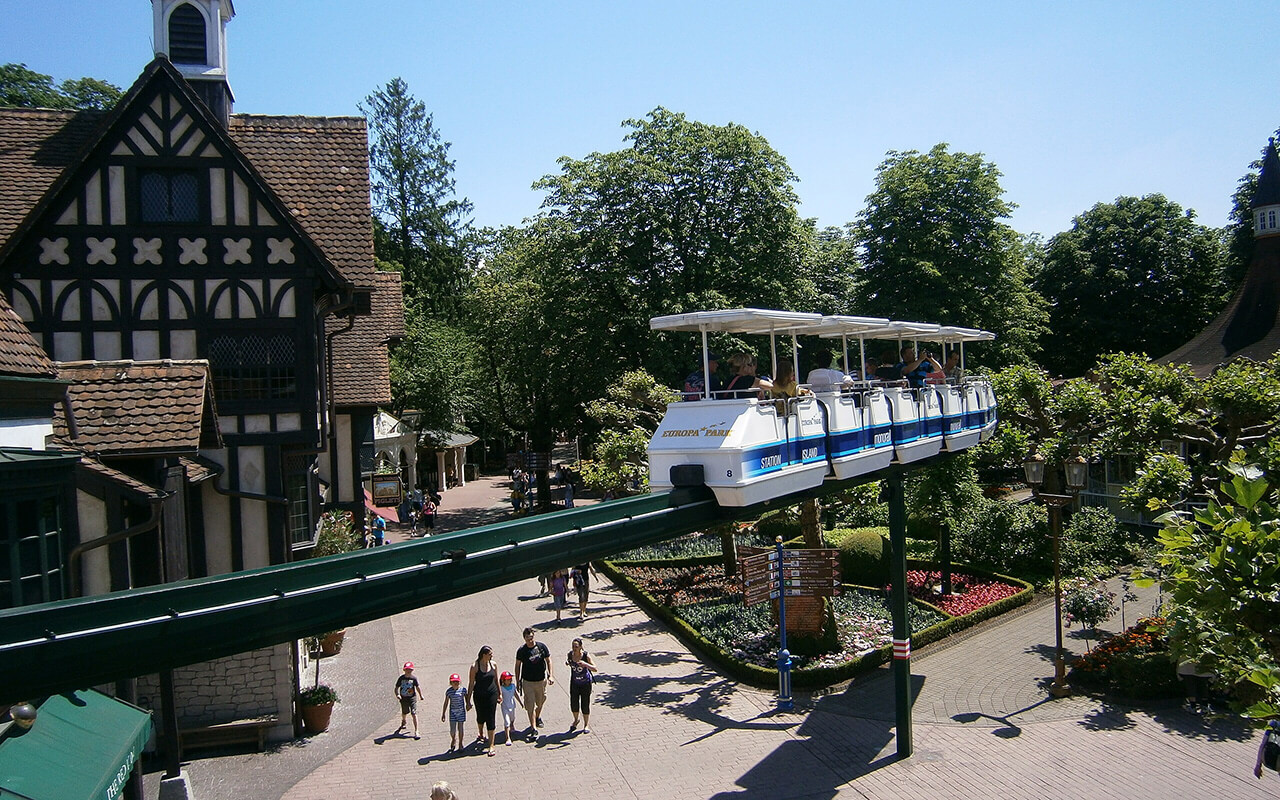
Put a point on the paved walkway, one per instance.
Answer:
(666, 725)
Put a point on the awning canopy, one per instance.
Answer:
(83, 745)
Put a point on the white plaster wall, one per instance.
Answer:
(217, 530)
(345, 480)
(25, 433)
(253, 514)
(94, 567)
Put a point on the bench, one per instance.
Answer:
(239, 731)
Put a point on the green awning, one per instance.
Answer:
(83, 745)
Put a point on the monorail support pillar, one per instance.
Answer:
(898, 605)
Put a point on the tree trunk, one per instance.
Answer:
(811, 524)
(729, 547)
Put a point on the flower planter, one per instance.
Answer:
(331, 643)
(315, 719)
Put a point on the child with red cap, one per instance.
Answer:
(455, 705)
(408, 693)
(510, 695)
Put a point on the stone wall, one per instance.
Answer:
(247, 685)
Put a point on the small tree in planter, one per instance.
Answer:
(316, 706)
(1088, 603)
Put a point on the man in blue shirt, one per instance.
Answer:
(695, 385)
(915, 370)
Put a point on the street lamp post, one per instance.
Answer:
(1076, 469)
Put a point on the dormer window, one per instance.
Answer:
(187, 41)
(168, 196)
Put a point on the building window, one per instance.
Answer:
(297, 488)
(1271, 220)
(30, 552)
(253, 368)
(169, 196)
(187, 42)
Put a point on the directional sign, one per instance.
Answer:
(815, 573)
(770, 574)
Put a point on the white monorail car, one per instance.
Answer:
(750, 450)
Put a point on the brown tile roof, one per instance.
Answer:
(36, 145)
(361, 362)
(19, 353)
(136, 407)
(319, 168)
(105, 473)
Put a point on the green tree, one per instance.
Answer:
(1112, 279)
(629, 414)
(1240, 228)
(689, 216)
(935, 249)
(435, 372)
(423, 224)
(21, 87)
(1222, 566)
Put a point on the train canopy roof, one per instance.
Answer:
(737, 320)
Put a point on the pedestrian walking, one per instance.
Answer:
(533, 676)
(429, 517)
(456, 702)
(482, 690)
(580, 577)
(559, 587)
(581, 676)
(408, 692)
(379, 531)
(568, 495)
(510, 697)
(1269, 749)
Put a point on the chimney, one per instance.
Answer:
(192, 34)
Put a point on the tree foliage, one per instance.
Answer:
(434, 371)
(1112, 279)
(21, 87)
(1222, 566)
(935, 249)
(629, 414)
(423, 224)
(1239, 233)
(688, 216)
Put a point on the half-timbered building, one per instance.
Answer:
(170, 236)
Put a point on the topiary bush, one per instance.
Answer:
(864, 555)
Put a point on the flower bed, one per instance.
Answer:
(968, 592)
(705, 609)
(1135, 663)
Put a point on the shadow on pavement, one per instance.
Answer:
(1007, 729)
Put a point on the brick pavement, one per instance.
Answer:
(664, 724)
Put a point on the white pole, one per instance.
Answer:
(773, 352)
(706, 368)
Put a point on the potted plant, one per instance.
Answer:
(331, 642)
(316, 706)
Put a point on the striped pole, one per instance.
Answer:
(898, 605)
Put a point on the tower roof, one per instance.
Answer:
(1268, 193)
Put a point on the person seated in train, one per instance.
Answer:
(824, 377)
(785, 385)
(745, 384)
(916, 370)
(870, 367)
(888, 371)
(695, 384)
(951, 367)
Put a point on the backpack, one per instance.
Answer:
(579, 579)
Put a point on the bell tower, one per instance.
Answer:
(192, 34)
(1266, 199)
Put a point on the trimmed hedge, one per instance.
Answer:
(864, 555)
(813, 677)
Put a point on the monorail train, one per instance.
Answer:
(751, 449)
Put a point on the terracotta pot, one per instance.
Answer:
(332, 644)
(315, 719)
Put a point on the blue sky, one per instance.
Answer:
(1076, 103)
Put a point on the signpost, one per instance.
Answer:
(777, 574)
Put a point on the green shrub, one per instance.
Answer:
(1145, 675)
(317, 695)
(336, 534)
(1005, 537)
(860, 507)
(1093, 538)
(864, 555)
(784, 522)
